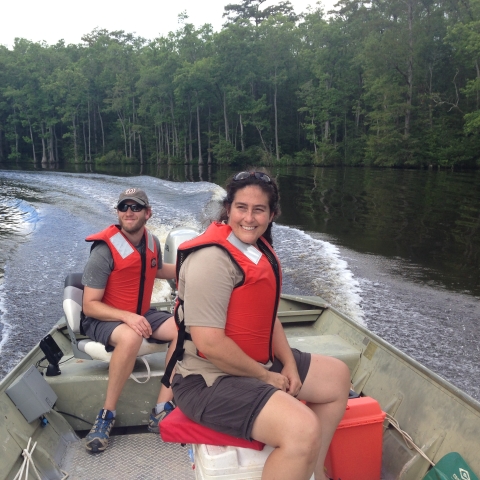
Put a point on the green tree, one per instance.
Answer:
(250, 10)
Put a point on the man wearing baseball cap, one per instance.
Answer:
(118, 282)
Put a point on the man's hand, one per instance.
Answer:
(277, 380)
(294, 383)
(94, 307)
(138, 324)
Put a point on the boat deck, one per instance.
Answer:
(134, 456)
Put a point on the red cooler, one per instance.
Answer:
(356, 449)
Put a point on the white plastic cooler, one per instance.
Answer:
(229, 463)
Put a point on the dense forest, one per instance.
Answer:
(373, 83)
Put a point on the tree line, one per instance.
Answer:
(376, 83)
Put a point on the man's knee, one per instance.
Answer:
(305, 440)
(167, 331)
(343, 376)
(299, 434)
(126, 338)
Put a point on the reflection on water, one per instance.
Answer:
(427, 220)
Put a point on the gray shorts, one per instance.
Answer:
(232, 403)
(100, 331)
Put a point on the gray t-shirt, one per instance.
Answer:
(100, 263)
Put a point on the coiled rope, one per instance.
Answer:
(27, 461)
(408, 439)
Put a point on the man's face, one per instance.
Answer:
(130, 221)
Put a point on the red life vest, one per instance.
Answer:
(127, 287)
(252, 309)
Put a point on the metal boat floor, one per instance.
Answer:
(133, 456)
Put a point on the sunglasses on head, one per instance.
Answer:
(123, 207)
(245, 175)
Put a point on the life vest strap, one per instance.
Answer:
(179, 349)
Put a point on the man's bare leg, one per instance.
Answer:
(126, 343)
(296, 438)
(326, 391)
(302, 439)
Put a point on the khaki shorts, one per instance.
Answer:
(100, 331)
(231, 404)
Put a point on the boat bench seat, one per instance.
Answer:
(330, 345)
(84, 347)
(299, 316)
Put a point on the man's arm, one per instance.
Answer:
(94, 307)
(166, 272)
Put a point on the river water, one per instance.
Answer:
(398, 251)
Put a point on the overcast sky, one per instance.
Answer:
(52, 20)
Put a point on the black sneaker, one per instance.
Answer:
(97, 440)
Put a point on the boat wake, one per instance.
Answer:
(314, 267)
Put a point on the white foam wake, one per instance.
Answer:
(314, 267)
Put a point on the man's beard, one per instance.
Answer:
(132, 229)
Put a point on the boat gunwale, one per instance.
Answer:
(421, 369)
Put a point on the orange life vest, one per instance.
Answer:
(252, 309)
(130, 285)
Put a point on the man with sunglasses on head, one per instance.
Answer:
(118, 282)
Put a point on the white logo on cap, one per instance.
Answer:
(130, 191)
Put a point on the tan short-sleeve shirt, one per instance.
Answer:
(212, 275)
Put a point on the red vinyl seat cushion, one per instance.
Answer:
(178, 428)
